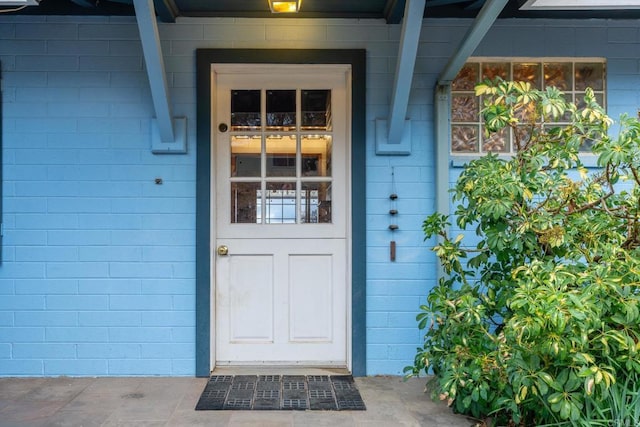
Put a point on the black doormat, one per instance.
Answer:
(281, 392)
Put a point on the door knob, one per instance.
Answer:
(223, 250)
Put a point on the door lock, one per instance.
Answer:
(223, 250)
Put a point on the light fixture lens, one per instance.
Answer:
(284, 6)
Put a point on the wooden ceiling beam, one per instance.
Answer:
(167, 10)
(485, 19)
(393, 11)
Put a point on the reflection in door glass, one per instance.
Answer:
(316, 110)
(280, 161)
(281, 110)
(315, 202)
(316, 155)
(245, 155)
(280, 203)
(244, 209)
(281, 155)
(245, 110)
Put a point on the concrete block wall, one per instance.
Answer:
(97, 274)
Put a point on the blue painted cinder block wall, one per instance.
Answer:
(97, 274)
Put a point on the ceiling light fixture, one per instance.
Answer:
(284, 6)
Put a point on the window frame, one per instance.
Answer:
(461, 157)
(1, 168)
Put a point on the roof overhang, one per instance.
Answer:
(19, 2)
(580, 4)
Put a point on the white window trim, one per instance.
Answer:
(459, 159)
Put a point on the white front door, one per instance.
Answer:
(281, 214)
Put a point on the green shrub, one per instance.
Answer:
(539, 322)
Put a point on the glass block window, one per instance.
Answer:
(570, 76)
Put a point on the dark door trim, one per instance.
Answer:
(204, 59)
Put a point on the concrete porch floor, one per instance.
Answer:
(161, 401)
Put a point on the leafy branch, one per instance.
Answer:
(538, 321)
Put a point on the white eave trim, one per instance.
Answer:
(580, 4)
(19, 3)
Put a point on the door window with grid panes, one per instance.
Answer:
(281, 171)
(572, 77)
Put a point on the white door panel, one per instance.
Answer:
(250, 301)
(311, 297)
(281, 301)
(282, 210)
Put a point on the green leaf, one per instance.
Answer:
(536, 319)
(565, 410)
(555, 398)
